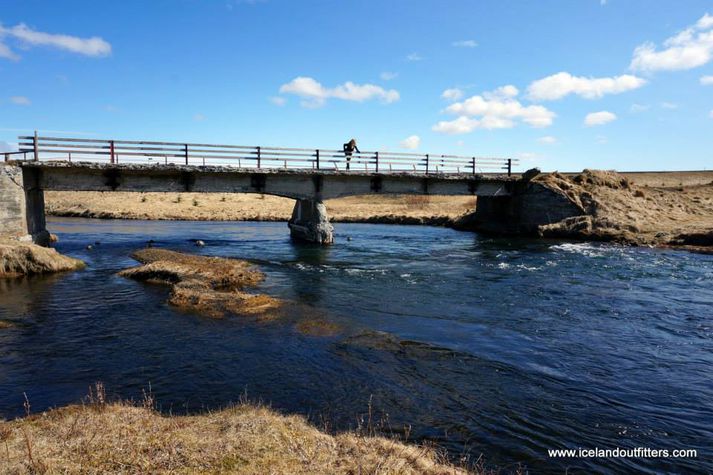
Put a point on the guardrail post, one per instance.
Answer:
(426, 164)
(258, 157)
(509, 166)
(185, 152)
(7, 157)
(317, 159)
(473, 165)
(111, 151)
(36, 147)
(377, 162)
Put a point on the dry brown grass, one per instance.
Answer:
(19, 258)
(619, 210)
(102, 437)
(212, 286)
(247, 207)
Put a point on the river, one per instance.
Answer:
(500, 347)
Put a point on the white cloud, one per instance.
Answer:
(388, 76)
(452, 94)
(414, 57)
(563, 84)
(465, 44)
(461, 125)
(496, 109)
(601, 139)
(599, 118)
(278, 101)
(690, 48)
(20, 100)
(707, 81)
(669, 105)
(547, 139)
(460, 143)
(94, 46)
(199, 117)
(315, 94)
(503, 92)
(636, 108)
(711, 114)
(411, 143)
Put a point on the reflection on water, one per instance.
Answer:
(496, 346)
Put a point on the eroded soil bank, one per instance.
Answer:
(615, 208)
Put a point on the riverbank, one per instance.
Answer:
(616, 208)
(396, 209)
(100, 437)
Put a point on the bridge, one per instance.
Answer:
(307, 175)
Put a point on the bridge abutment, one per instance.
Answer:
(22, 205)
(529, 206)
(310, 223)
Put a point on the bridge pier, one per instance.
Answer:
(22, 205)
(310, 223)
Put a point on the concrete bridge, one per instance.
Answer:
(306, 175)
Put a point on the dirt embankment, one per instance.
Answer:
(398, 209)
(617, 209)
(20, 258)
(101, 437)
(212, 286)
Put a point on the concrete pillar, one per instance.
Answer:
(309, 222)
(22, 205)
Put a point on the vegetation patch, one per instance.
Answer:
(212, 286)
(19, 258)
(101, 437)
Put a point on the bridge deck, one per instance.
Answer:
(292, 183)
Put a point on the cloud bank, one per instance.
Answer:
(498, 109)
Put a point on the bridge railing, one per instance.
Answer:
(240, 156)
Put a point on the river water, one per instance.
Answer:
(499, 347)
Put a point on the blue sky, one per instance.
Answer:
(561, 84)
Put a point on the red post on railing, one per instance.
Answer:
(377, 162)
(317, 159)
(258, 157)
(111, 151)
(185, 152)
(36, 147)
(509, 166)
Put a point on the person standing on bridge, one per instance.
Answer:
(349, 149)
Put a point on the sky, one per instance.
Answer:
(560, 84)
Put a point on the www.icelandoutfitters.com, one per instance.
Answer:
(637, 452)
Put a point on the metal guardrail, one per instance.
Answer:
(132, 151)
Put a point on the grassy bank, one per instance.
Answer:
(100, 437)
(405, 209)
